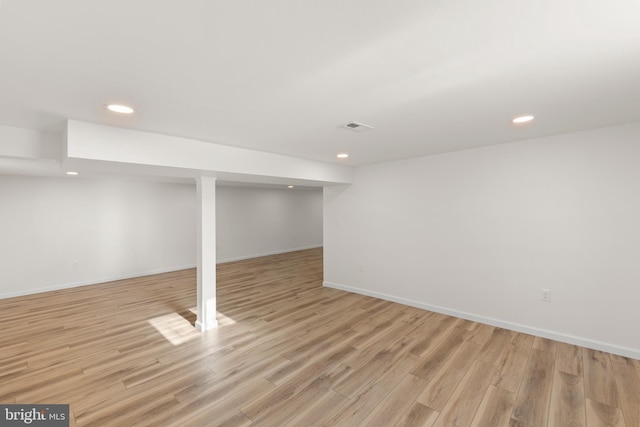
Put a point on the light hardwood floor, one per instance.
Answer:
(290, 352)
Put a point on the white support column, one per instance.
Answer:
(206, 187)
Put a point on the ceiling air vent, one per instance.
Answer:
(357, 126)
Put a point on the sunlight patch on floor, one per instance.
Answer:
(224, 320)
(175, 328)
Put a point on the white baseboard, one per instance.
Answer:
(93, 281)
(557, 336)
(278, 252)
(139, 274)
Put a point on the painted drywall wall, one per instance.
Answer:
(60, 232)
(478, 233)
(261, 221)
(64, 232)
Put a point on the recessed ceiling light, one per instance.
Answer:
(357, 126)
(289, 186)
(522, 119)
(342, 155)
(122, 109)
(72, 173)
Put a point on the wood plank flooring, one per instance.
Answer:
(289, 352)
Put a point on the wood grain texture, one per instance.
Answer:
(628, 382)
(289, 352)
(495, 408)
(418, 415)
(569, 359)
(567, 401)
(396, 403)
(532, 403)
(466, 398)
(513, 363)
(439, 389)
(601, 415)
(600, 385)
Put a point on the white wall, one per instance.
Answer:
(112, 228)
(477, 233)
(116, 229)
(261, 221)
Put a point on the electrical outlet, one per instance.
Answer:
(545, 295)
(362, 267)
(75, 264)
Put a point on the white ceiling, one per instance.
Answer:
(281, 76)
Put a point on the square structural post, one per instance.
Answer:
(206, 238)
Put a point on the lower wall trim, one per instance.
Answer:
(139, 274)
(570, 339)
(94, 281)
(282, 251)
